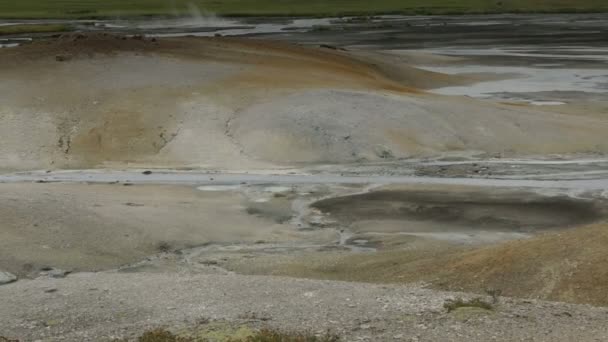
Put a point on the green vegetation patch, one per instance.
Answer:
(264, 335)
(452, 305)
(42, 28)
(130, 8)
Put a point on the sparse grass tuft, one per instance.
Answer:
(264, 335)
(454, 304)
(162, 335)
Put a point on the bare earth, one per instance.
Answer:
(268, 160)
(239, 104)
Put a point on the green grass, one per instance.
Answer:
(5, 339)
(264, 335)
(43, 28)
(458, 303)
(130, 8)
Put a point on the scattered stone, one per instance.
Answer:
(54, 272)
(7, 278)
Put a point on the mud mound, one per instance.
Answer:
(85, 101)
(346, 126)
(84, 227)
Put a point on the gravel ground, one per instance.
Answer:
(103, 306)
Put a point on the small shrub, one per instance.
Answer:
(162, 335)
(454, 304)
(267, 335)
(264, 335)
(6, 339)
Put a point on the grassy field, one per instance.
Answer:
(43, 28)
(10, 9)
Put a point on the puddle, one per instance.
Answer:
(533, 80)
(562, 52)
(547, 103)
(13, 42)
(219, 188)
(278, 189)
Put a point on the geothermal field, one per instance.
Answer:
(387, 178)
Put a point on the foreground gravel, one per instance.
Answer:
(104, 306)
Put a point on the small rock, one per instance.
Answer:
(7, 278)
(383, 152)
(62, 58)
(55, 272)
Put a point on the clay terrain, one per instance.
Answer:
(378, 179)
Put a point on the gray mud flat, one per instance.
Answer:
(495, 210)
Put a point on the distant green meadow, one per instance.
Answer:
(35, 28)
(81, 9)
